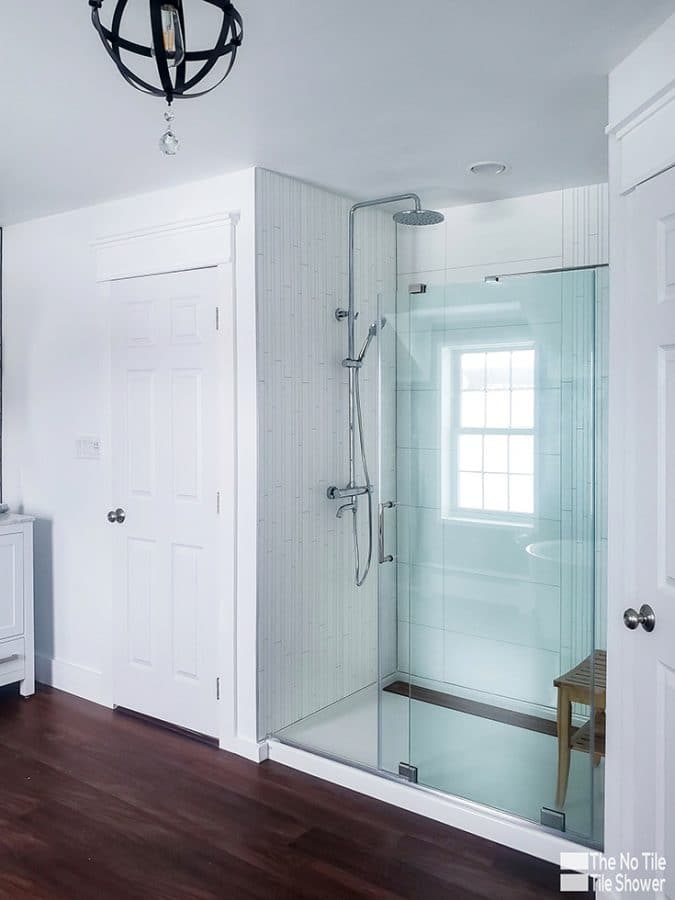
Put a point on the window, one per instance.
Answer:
(492, 410)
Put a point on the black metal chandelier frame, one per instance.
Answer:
(228, 42)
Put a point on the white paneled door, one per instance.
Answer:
(165, 501)
(645, 672)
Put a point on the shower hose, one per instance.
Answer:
(359, 576)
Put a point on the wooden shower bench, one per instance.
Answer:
(575, 687)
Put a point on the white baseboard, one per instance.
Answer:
(492, 825)
(256, 751)
(89, 684)
(71, 678)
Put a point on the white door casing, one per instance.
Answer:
(641, 702)
(640, 785)
(165, 465)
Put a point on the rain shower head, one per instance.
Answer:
(418, 217)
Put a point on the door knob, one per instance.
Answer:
(116, 515)
(646, 618)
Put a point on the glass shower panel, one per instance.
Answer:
(393, 583)
(495, 569)
(411, 436)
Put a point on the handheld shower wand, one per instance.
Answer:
(372, 331)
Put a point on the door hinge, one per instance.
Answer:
(405, 770)
(217, 318)
(552, 818)
(218, 688)
(217, 503)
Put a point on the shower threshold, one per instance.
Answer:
(453, 742)
(474, 817)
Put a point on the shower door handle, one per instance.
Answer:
(389, 504)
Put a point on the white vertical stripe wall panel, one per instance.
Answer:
(317, 633)
(585, 225)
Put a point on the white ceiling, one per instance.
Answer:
(367, 97)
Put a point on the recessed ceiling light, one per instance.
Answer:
(488, 167)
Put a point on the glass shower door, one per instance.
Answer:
(499, 667)
(409, 438)
(393, 659)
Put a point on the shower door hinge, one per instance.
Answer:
(218, 688)
(405, 770)
(217, 318)
(552, 818)
(417, 288)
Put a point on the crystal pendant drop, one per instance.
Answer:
(169, 143)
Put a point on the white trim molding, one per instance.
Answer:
(641, 145)
(173, 247)
(641, 112)
(645, 143)
(255, 751)
(72, 678)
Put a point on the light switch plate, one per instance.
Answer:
(87, 447)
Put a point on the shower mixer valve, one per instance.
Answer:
(351, 494)
(336, 493)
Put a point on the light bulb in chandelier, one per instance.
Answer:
(172, 36)
(169, 143)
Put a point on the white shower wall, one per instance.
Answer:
(317, 633)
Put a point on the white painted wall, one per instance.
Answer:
(539, 231)
(56, 387)
(318, 638)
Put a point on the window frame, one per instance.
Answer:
(452, 431)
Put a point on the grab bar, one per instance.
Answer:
(389, 504)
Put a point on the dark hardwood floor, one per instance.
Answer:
(99, 805)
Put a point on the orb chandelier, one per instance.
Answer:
(180, 71)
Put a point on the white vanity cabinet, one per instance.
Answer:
(17, 648)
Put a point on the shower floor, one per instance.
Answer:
(490, 762)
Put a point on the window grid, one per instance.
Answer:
(480, 373)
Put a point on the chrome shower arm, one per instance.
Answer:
(364, 204)
(395, 198)
(351, 312)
